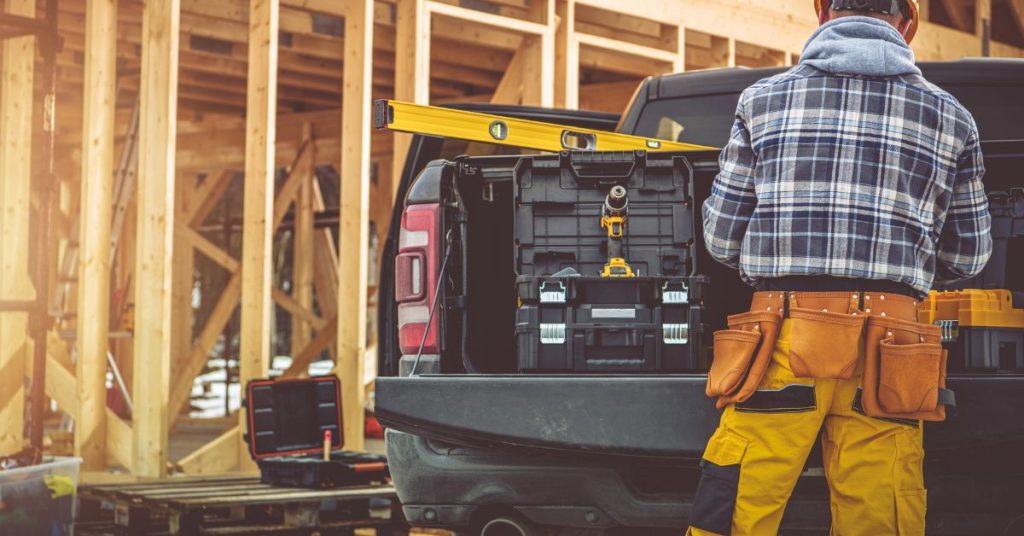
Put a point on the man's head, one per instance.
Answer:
(901, 14)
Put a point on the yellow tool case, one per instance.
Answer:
(983, 329)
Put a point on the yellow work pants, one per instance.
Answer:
(753, 461)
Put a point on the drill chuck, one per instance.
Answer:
(616, 203)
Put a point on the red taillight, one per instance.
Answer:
(416, 269)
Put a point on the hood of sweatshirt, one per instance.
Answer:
(859, 46)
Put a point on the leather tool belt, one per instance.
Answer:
(904, 367)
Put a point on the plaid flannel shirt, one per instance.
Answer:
(871, 178)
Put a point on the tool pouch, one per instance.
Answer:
(825, 345)
(904, 371)
(742, 355)
(734, 352)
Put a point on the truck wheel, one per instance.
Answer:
(511, 525)
(1015, 527)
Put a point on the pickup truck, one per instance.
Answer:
(478, 448)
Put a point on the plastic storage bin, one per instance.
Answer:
(40, 499)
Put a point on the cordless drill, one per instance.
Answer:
(613, 219)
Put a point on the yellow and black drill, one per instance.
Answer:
(613, 219)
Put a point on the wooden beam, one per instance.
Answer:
(208, 195)
(155, 235)
(983, 25)
(325, 268)
(302, 252)
(486, 19)
(258, 230)
(510, 89)
(957, 15)
(94, 232)
(16, 122)
(119, 441)
(412, 71)
(355, 214)
(218, 456)
(567, 56)
(60, 384)
(538, 70)
(299, 312)
(298, 173)
(313, 348)
(1017, 12)
(219, 317)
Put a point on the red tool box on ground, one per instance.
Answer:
(289, 424)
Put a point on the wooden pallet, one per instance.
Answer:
(234, 505)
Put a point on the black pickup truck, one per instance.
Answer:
(475, 446)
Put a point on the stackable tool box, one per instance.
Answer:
(569, 317)
(286, 425)
(983, 323)
(982, 329)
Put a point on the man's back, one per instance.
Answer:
(851, 165)
(848, 186)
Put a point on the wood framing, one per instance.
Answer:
(1017, 12)
(412, 69)
(258, 228)
(302, 248)
(94, 232)
(155, 235)
(567, 56)
(16, 107)
(354, 215)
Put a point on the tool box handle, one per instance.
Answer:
(603, 168)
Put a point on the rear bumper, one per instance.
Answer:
(666, 417)
(452, 486)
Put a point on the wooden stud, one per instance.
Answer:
(983, 25)
(216, 457)
(94, 232)
(510, 89)
(679, 65)
(957, 15)
(567, 56)
(258, 229)
(412, 70)
(119, 441)
(354, 215)
(16, 122)
(183, 278)
(1017, 12)
(219, 317)
(538, 76)
(155, 236)
(302, 250)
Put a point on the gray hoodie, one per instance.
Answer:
(859, 46)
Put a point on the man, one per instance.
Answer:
(848, 175)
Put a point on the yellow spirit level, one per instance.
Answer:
(501, 130)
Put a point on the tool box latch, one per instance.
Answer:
(552, 333)
(674, 293)
(552, 292)
(676, 333)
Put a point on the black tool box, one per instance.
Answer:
(600, 324)
(288, 421)
(571, 319)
